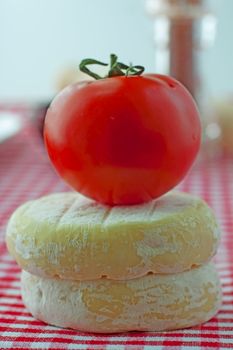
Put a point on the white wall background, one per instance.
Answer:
(39, 37)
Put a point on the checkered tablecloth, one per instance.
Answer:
(26, 173)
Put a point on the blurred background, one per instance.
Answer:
(40, 38)
(43, 41)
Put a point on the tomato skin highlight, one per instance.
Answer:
(123, 140)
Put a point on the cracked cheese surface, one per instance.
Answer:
(148, 303)
(71, 237)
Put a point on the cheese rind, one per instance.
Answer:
(149, 303)
(68, 236)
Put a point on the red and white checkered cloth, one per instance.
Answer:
(26, 173)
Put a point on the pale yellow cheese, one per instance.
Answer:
(68, 236)
(149, 303)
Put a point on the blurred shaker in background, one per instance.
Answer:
(182, 30)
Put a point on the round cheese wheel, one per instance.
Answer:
(148, 303)
(68, 236)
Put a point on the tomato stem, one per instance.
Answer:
(115, 68)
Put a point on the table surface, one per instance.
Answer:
(26, 173)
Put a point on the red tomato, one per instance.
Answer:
(123, 140)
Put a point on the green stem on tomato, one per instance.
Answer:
(115, 68)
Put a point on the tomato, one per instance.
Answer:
(124, 139)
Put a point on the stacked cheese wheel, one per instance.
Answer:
(97, 268)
